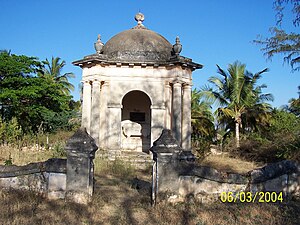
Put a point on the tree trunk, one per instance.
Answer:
(237, 134)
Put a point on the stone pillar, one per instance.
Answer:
(103, 115)
(86, 106)
(80, 150)
(95, 119)
(186, 118)
(114, 130)
(176, 121)
(169, 162)
(157, 124)
(168, 105)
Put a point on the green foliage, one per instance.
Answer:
(242, 104)
(12, 65)
(203, 130)
(284, 122)
(2, 130)
(52, 71)
(280, 41)
(59, 150)
(280, 140)
(9, 161)
(10, 132)
(38, 103)
(294, 104)
(285, 131)
(13, 131)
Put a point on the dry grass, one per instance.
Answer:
(227, 163)
(23, 157)
(115, 201)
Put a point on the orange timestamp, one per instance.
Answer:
(249, 197)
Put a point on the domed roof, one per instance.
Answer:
(138, 44)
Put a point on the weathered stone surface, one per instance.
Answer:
(81, 149)
(274, 170)
(191, 185)
(35, 182)
(56, 185)
(81, 142)
(175, 178)
(294, 184)
(166, 143)
(58, 178)
(219, 176)
(138, 45)
(54, 165)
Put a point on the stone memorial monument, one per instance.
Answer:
(136, 80)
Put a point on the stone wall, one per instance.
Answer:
(71, 178)
(47, 178)
(207, 184)
(176, 176)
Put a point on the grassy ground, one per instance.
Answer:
(227, 163)
(116, 201)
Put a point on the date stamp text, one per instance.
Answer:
(249, 197)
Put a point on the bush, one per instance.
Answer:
(59, 150)
(10, 132)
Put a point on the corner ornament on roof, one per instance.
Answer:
(177, 47)
(98, 45)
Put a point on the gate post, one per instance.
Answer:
(80, 150)
(170, 161)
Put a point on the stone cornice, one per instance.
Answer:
(91, 60)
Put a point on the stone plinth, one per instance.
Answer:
(170, 162)
(80, 149)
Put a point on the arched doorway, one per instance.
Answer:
(136, 122)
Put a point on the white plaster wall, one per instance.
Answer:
(123, 79)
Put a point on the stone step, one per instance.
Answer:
(137, 158)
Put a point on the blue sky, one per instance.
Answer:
(211, 32)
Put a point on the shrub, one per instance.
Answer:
(59, 150)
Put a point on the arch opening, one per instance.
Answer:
(136, 122)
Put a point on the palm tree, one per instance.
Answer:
(237, 94)
(52, 70)
(202, 118)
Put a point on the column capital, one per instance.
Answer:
(187, 86)
(167, 83)
(105, 83)
(177, 84)
(85, 82)
(96, 82)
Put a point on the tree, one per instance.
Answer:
(52, 70)
(33, 100)
(12, 65)
(202, 118)
(203, 130)
(294, 104)
(280, 41)
(238, 94)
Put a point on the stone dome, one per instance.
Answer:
(138, 44)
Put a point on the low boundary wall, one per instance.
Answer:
(71, 178)
(176, 176)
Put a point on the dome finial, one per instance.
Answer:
(139, 17)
